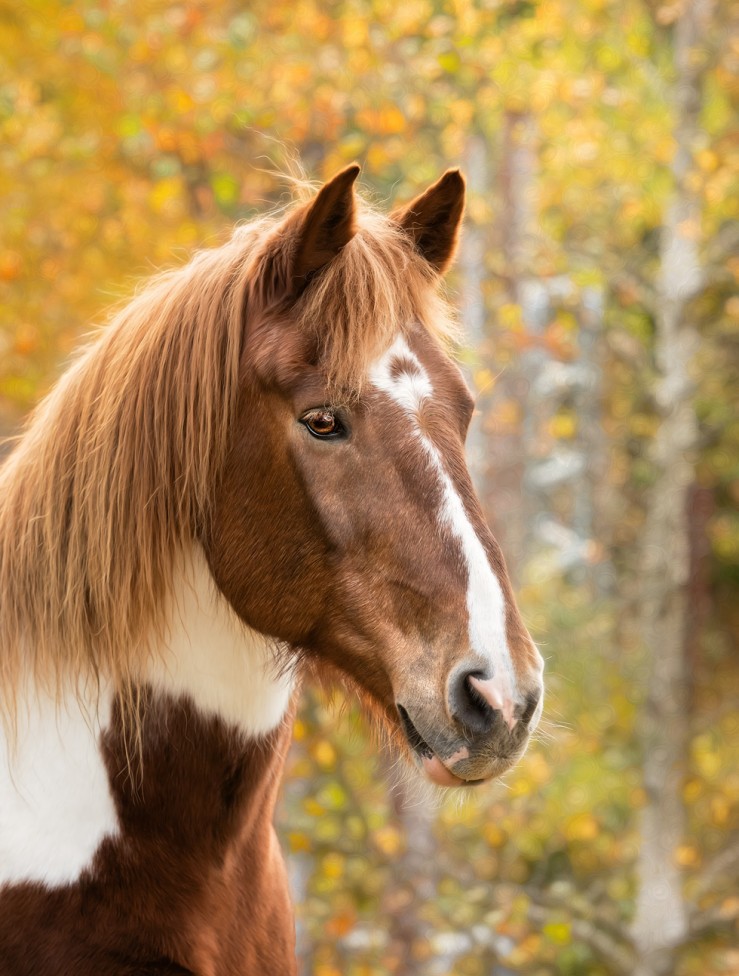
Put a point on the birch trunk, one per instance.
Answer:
(472, 272)
(510, 510)
(415, 880)
(661, 923)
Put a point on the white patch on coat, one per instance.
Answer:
(409, 387)
(55, 801)
(226, 668)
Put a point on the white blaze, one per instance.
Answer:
(486, 609)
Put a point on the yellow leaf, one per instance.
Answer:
(729, 907)
(521, 787)
(558, 932)
(324, 754)
(483, 379)
(692, 790)
(493, 835)
(166, 139)
(507, 415)
(563, 426)
(333, 865)
(686, 855)
(392, 121)
(388, 839)
(298, 842)
(537, 768)
(71, 22)
(355, 31)
(707, 760)
(510, 316)
(164, 194)
(525, 951)
(707, 160)
(720, 810)
(312, 808)
(11, 265)
(341, 924)
(181, 101)
(583, 826)
(26, 339)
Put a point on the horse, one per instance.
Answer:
(256, 469)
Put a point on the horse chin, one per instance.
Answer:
(436, 772)
(463, 765)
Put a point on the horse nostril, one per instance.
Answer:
(531, 704)
(468, 706)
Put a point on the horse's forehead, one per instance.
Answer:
(414, 369)
(401, 375)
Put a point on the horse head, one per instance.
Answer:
(344, 522)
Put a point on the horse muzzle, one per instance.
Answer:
(488, 732)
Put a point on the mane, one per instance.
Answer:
(114, 473)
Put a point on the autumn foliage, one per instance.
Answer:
(132, 132)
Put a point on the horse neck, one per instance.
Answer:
(215, 728)
(208, 654)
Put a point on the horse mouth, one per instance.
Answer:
(415, 740)
(433, 767)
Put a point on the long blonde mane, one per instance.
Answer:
(114, 473)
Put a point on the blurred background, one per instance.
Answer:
(597, 285)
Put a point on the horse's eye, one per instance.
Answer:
(323, 423)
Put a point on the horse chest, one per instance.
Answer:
(170, 863)
(55, 801)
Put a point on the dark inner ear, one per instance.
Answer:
(324, 227)
(432, 220)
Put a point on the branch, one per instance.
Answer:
(720, 866)
(619, 270)
(722, 246)
(618, 955)
(605, 936)
(714, 918)
(583, 906)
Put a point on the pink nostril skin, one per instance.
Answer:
(496, 696)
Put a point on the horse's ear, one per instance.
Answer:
(432, 220)
(324, 226)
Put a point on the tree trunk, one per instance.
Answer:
(472, 271)
(510, 516)
(660, 924)
(701, 506)
(415, 881)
